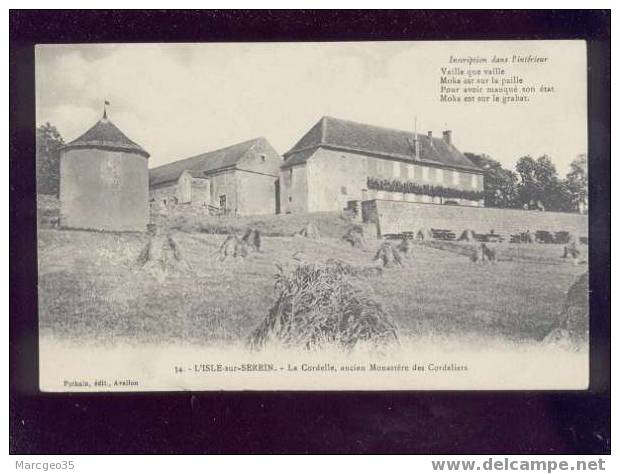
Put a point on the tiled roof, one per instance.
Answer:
(104, 134)
(197, 173)
(345, 135)
(206, 162)
(293, 158)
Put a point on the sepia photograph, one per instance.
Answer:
(369, 215)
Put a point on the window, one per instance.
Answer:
(403, 170)
(343, 190)
(416, 172)
(263, 158)
(395, 169)
(385, 168)
(474, 181)
(223, 201)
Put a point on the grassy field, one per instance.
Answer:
(329, 224)
(89, 290)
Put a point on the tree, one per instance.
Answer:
(577, 183)
(540, 185)
(555, 195)
(49, 142)
(500, 184)
(528, 190)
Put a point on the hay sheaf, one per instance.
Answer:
(252, 239)
(389, 255)
(355, 237)
(309, 231)
(161, 256)
(233, 247)
(354, 270)
(236, 247)
(320, 306)
(571, 329)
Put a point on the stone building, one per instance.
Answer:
(242, 179)
(104, 181)
(339, 161)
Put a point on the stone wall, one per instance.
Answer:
(247, 193)
(394, 217)
(294, 189)
(257, 193)
(184, 189)
(224, 183)
(163, 195)
(103, 190)
(334, 178)
(200, 192)
(331, 178)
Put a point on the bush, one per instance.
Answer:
(394, 185)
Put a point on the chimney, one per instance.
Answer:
(447, 136)
(416, 141)
(430, 134)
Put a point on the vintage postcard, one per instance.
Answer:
(312, 216)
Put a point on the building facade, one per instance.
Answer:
(339, 161)
(104, 181)
(241, 179)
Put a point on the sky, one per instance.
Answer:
(179, 100)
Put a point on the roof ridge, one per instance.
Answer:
(391, 129)
(227, 157)
(383, 127)
(379, 140)
(214, 151)
(245, 142)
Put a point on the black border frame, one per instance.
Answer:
(539, 422)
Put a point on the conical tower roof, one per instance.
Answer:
(105, 135)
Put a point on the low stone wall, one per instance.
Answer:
(394, 217)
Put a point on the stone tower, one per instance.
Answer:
(104, 182)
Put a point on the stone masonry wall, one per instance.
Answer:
(394, 217)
